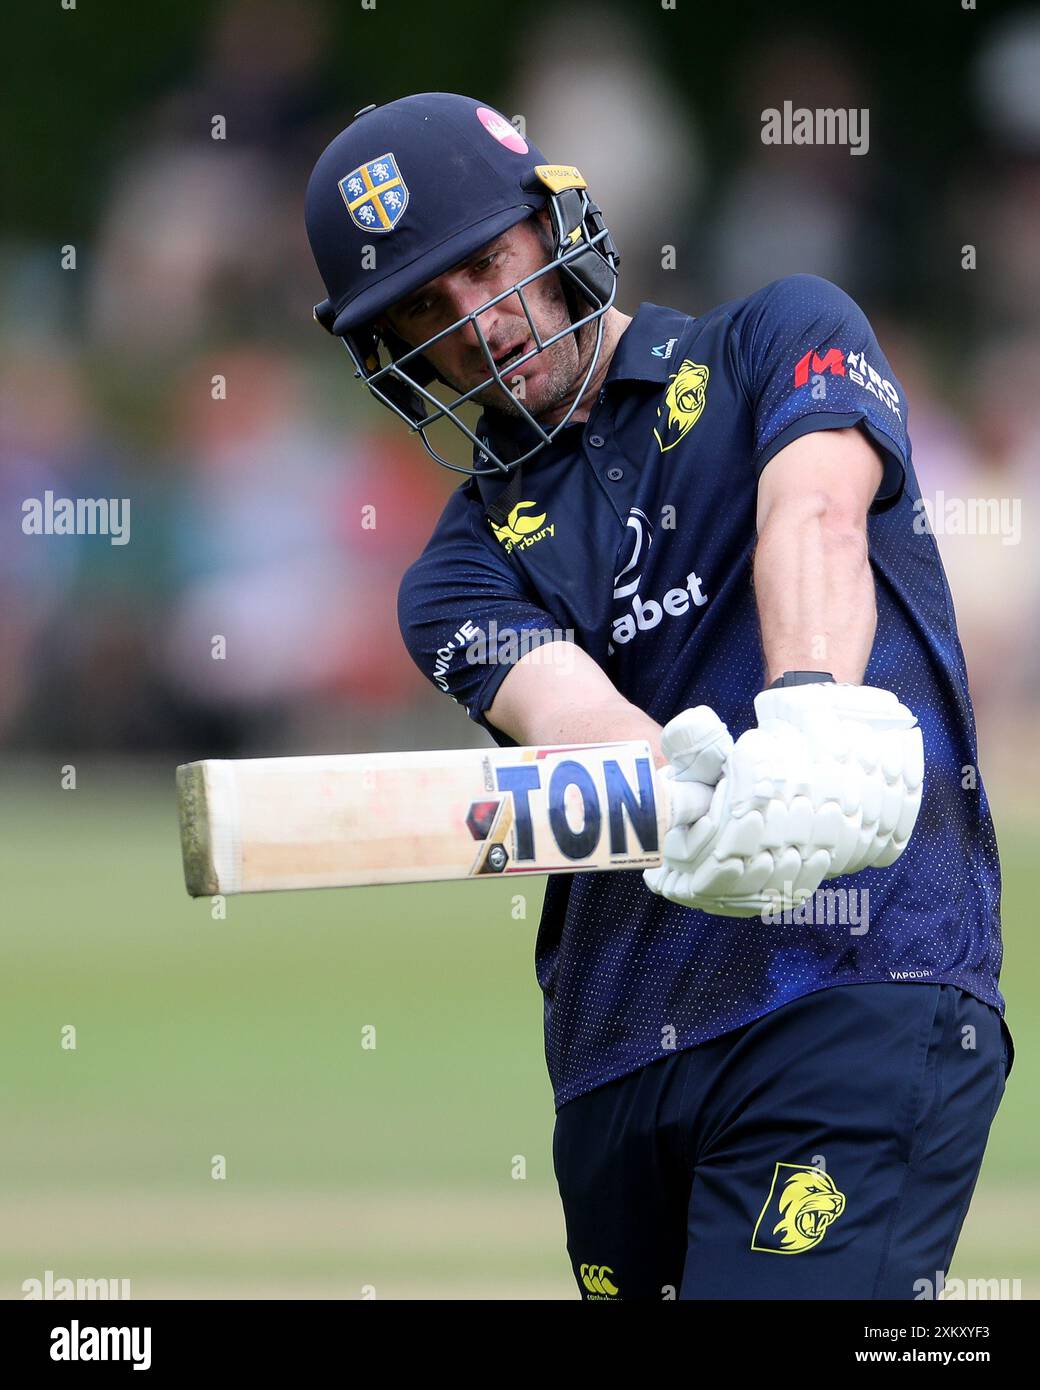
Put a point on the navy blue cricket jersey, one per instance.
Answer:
(636, 531)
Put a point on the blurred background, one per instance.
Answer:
(141, 259)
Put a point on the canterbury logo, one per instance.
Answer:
(802, 1205)
(682, 405)
(596, 1279)
(520, 530)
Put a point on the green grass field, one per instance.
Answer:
(420, 1167)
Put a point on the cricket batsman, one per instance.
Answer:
(776, 1058)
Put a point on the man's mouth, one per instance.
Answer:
(511, 354)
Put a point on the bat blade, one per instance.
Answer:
(266, 824)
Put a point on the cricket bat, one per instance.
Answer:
(258, 825)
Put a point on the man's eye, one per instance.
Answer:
(486, 262)
(419, 307)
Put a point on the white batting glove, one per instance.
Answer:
(828, 783)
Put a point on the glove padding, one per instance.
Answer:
(828, 783)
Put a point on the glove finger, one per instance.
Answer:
(756, 757)
(913, 767)
(811, 874)
(716, 879)
(838, 833)
(787, 866)
(740, 836)
(757, 873)
(687, 801)
(654, 878)
(907, 817)
(697, 743)
(664, 881)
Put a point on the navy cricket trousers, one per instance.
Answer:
(826, 1151)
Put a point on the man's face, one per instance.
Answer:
(549, 379)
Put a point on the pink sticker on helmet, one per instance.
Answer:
(500, 128)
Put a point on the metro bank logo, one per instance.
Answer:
(832, 361)
(855, 366)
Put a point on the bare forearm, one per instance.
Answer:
(561, 696)
(613, 719)
(815, 591)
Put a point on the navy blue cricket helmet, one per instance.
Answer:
(413, 188)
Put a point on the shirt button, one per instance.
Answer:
(615, 474)
(596, 440)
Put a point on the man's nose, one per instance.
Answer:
(467, 301)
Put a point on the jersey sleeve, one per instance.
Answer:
(464, 615)
(810, 361)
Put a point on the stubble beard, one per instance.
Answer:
(560, 367)
(558, 376)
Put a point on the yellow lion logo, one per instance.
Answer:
(517, 526)
(684, 400)
(802, 1203)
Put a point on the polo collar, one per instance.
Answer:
(648, 350)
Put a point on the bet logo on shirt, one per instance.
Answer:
(632, 613)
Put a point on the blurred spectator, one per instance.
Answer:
(50, 441)
(200, 232)
(288, 544)
(595, 97)
(1005, 81)
(788, 208)
(262, 70)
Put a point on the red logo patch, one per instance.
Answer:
(832, 361)
(498, 127)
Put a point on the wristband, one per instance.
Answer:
(801, 678)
